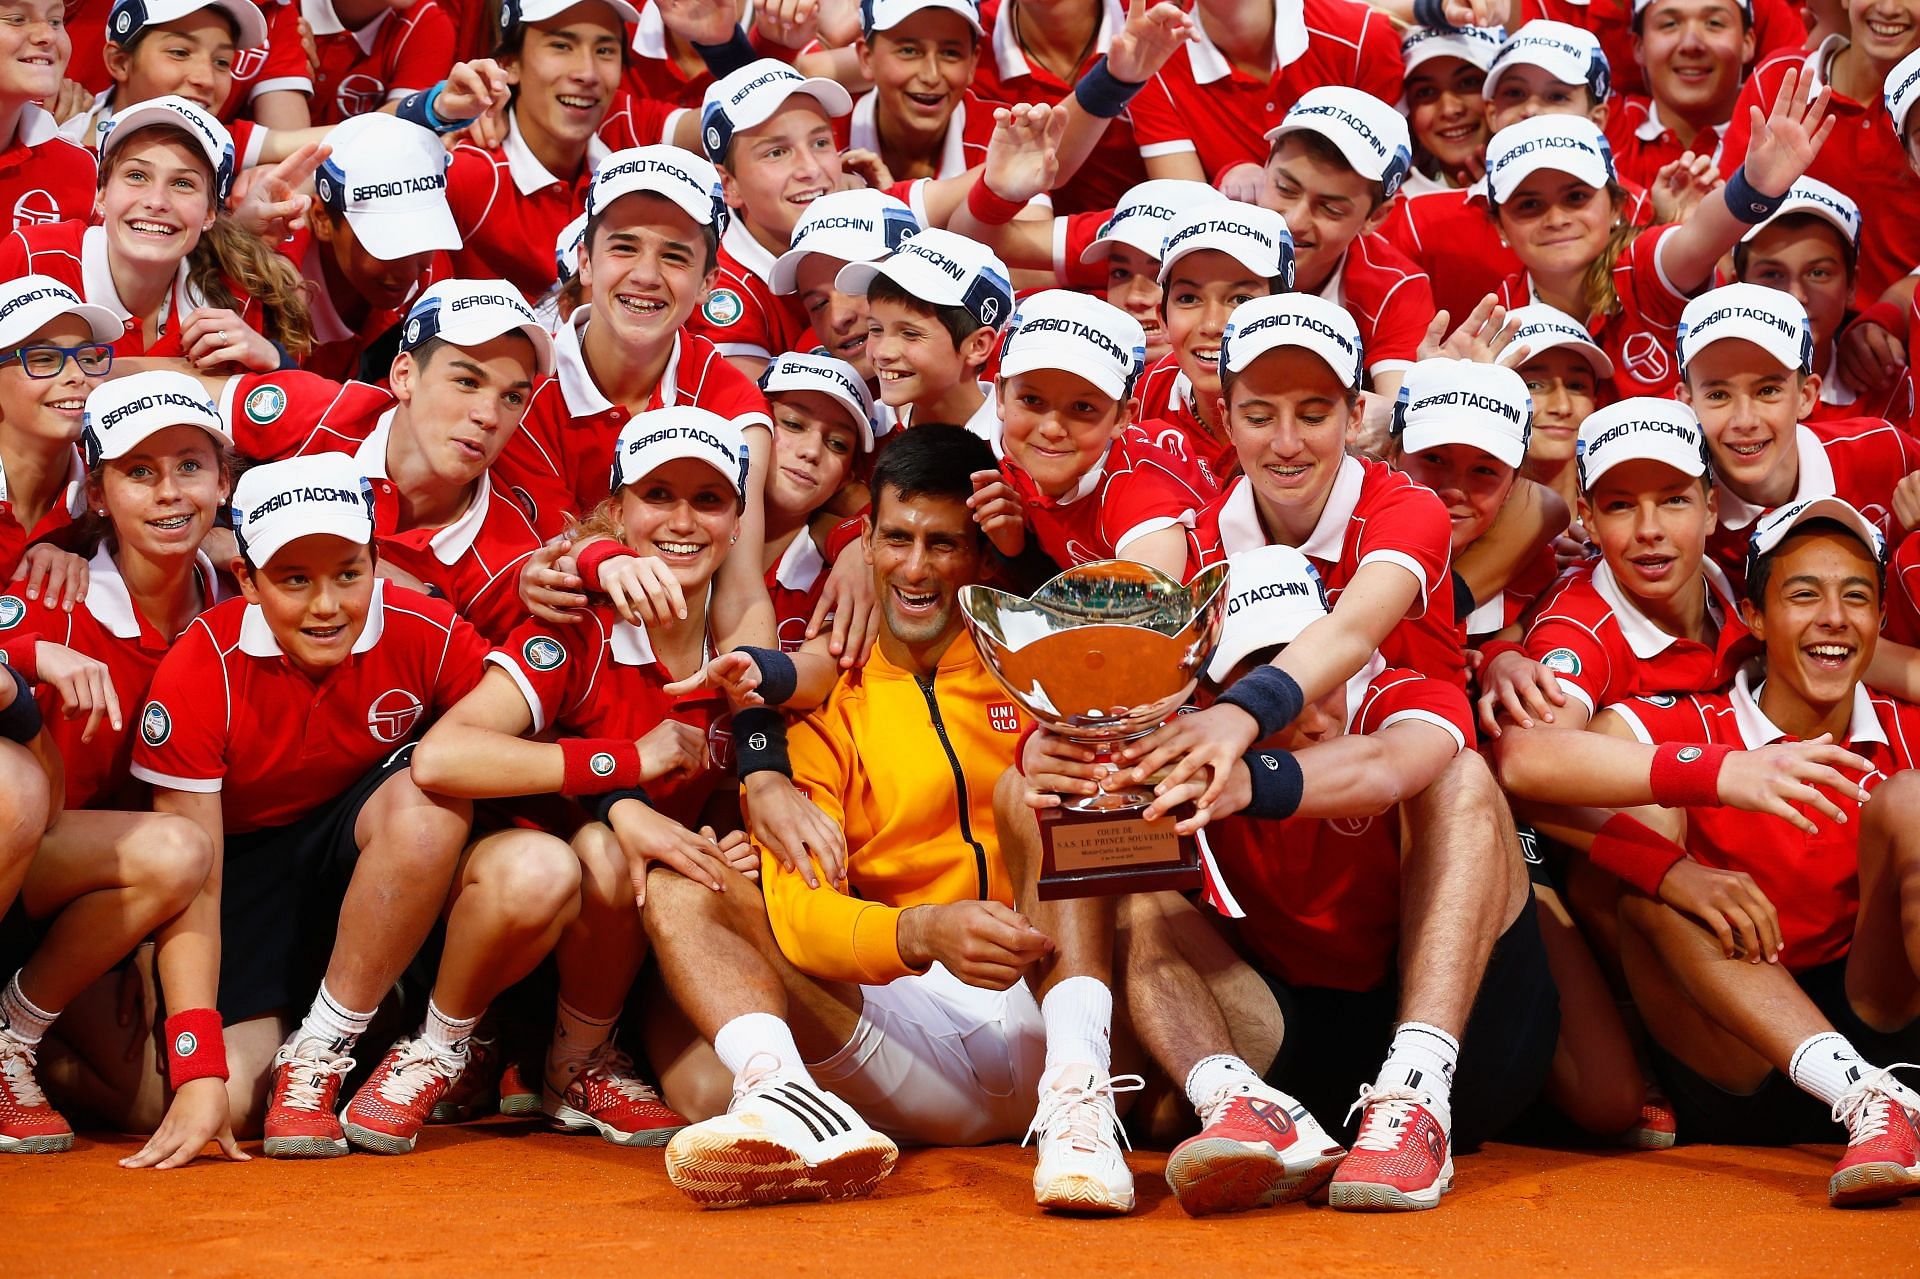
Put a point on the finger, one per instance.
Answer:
(1515, 706)
(1767, 920)
(231, 1148)
(844, 621)
(36, 576)
(1746, 936)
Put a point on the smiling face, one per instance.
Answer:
(1820, 614)
(814, 442)
(567, 71)
(780, 166)
(1056, 425)
(1564, 390)
(157, 199)
(1556, 223)
(1288, 415)
(646, 270)
(1133, 285)
(1749, 405)
(51, 409)
(914, 355)
(686, 513)
(464, 403)
(1325, 202)
(922, 550)
(190, 56)
(1446, 114)
(839, 319)
(1524, 91)
(1471, 482)
(34, 48)
(1651, 523)
(1884, 30)
(385, 285)
(1809, 258)
(920, 68)
(163, 496)
(315, 594)
(1693, 52)
(1202, 290)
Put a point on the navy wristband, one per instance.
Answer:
(20, 721)
(1100, 93)
(1748, 204)
(601, 805)
(778, 675)
(760, 742)
(1268, 694)
(725, 59)
(1433, 13)
(417, 108)
(1276, 784)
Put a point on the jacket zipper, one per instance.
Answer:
(959, 784)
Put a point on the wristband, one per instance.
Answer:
(1101, 93)
(196, 1047)
(725, 59)
(20, 720)
(1500, 648)
(1268, 694)
(594, 557)
(1747, 203)
(1020, 747)
(1687, 776)
(601, 806)
(989, 209)
(846, 533)
(596, 764)
(1433, 13)
(417, 108)
(21, 653)
(760, 742)
(778, 675)
(1630, 849)
(1276, 784)
(1884, 314)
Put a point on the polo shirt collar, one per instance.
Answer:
(747, 251)
(1756, 730)
(863, 131)
(321, 16)
(1012, 59)
(1289, 42)
(256, 637)
(1653, 128)
(97, 278)
(1834, 387)
(452, 541)
(1646, 639)
(1816, 480)
(1240, 528)
(1329, 535)
(76, 490)
(111, 603)
(800, 564)
(36, 126)
(529, 175)
(631, 645)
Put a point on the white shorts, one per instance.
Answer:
(936, 1062)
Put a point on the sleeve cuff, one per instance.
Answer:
(876, 944)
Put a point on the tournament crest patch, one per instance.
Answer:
(265, 404)
(1562, 661)
(542, 653)
(13, 610)
(156, 726)
(722, 307)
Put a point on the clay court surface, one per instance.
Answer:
(504, 1198)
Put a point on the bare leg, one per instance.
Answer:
(1883, 968)
(602, 949)
(25, 805)
(516, 891)
(1082, 928)
(1186, 992)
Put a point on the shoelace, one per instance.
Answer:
(16, 1065)
(1858, 1107)
(615, 1069)
(1083, 1116)
(419, 1065)
(1387, 1110)
(1215, 1107)
(305, 1086)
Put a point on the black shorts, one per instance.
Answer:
(1545, 859)
(280, 894)
(1336, 1040)
(1778, 1113)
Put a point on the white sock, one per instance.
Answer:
(1079, 1018)
(575, 1036)
(1423, 1058)
(1828, 1066)
(753, 1035)
(1212, 1076)
(331, 1025)
(20, 1017)
(447, 1036)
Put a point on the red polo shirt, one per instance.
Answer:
(56, 526)
(1639, 336)
(401, 51)
(1389, 298)
(279, 65)
(271, 416)
(743, 315)
(43, 177)
(510, 210)
(1136, 489)
(1168, 417)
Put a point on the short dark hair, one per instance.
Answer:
(932, 460)
(1761, 570)
(1798, 222)
(959, 322)
(709, 234)
(1322, 148)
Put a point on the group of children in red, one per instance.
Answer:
(487, 502)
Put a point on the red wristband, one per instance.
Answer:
(17, 651)
(1886, 315)
(593, 558)
(1687, 775)
(598, 764)
(1500, 648)
(845, 534)
(196, 1047)
(989, 209)
(1020, 747)
(1634, 851)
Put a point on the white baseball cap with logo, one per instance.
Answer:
(1369, 133)
(1570, 54)
(749, 97)
(1640, 429)
(650, 440)
(854, 226)
(1773, 527)
(885, 15)
(1902, 91)
(514, 13)
(388, 178)
(1540, 328)
(466, 313)
(123, 413)
(198, 123)
(1570, 144)
(1446, 401)
(1771, 319)
(835, 379)
(1273, 593)
(1061, 329)
(32, 302)
(1305, 320)
(281, 502)
(1810, 195)
(1477, 46)
(1146, 212)
(129, 18)
(1255, 237)
(566, 248)
(943, 268)
(664, 170)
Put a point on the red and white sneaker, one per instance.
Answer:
(1402, 1160)
(303, 1089)
(1656, 1129)
(609, 1097)
(1883, 1144)
(28, 1124)
(476, 1091)
(391, 1108)
(1257, 1147)
(517, 1096)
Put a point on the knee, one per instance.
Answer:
(25, 803)
(605, 877)
(172, 862)
(424, 837)
(1893, 807)
(535, 880)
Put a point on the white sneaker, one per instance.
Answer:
(1257, 1147)
(1082, 1167)
(782, 1139)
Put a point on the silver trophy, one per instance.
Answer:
(1103, 654)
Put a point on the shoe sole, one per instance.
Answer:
(722, 1172)
(1871, 1184)
(379, 1143)
(1221, 1175)
(1647, 1139)
(567, 1119)
(1075, 1192)
(303, 1147)
(50, 1144)
(521, 1103)
(1362, 1196)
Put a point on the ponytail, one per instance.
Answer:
(229, 254)
(1598, 284)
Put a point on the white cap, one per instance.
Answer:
(215, 142)
(1540, 328)
(281, 502)
(1771, 319)
(1061, 329)
(123, 412)
(650, 440)
(1640, 429)
(1273, 593)
(885, 15)
(749, 97)
(1369, 133)
(1294, 319)
(1445, 401)
(1772, 528)
(1255, 237)
(1570, 54)
(466, 313)
(1476, 45)
(566, 248)
(836, 379)
(944, 269)
(32, 302)
(1902, 90)
(863, 225)
(513, 13)
(389, 179)
(665, 170)
(1570, 144)
(130, 17)
(1810, 195)
(1145, 214)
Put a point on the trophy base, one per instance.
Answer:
(1110, 852)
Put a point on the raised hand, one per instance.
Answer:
(999, 512)
(1774, 779)
(472, 89)
(1787, 137)
(1023, 155)
(1149, 37)
(276, 198)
